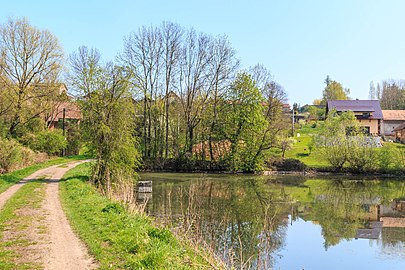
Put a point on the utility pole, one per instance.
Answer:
(63, 129)
(293, 120)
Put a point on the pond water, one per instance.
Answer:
(286, 222)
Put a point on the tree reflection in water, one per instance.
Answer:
(244, 219)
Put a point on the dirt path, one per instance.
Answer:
(13, 189)
(59, 248)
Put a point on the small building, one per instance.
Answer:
(68, 109)
(391, 120)
(399, 133)
(367, 112)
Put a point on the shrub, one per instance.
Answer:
(74, 142)
(14, 156)
(386, 159)
(185, 164)
(49, 141)
(362, 158)
(10, 154)
(289, 164)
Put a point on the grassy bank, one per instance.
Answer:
(386, 159)
(301, 149)
(19, 215)
(9, 179)
(119, 240)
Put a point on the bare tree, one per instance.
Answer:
(194, 81)
(393, 95)
(223, 66)
(171, 40)
(142, 55)
(29, 58)
(372, 92)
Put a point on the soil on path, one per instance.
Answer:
(59, 247)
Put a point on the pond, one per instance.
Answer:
(285, 222)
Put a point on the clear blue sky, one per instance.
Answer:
(353, 41)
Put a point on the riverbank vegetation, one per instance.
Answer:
(122, 240)
(339, 144)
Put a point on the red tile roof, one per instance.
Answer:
(72, 111)
(394, 115)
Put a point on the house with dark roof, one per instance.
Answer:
(391, 120)
(367, 112)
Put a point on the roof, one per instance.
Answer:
(394, 115)
(400, 127)
(372, 106)
(72, 111)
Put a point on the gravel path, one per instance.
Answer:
(60, 248)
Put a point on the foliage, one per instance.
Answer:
(243, 122)
(185, 164)
(361, 158)
(29, 69)
(286, 144)
(49, 141)
(392, 94)
(334, 91)
(391, 158)
(10, 154)
(341, 140)
(120, 240)
(288, 164)
(74, 139)
(107, 117)
(316, 112)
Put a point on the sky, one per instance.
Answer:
(300, 42)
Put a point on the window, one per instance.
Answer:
(367, 130)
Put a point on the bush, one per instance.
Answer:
(74, 142)
(49, 141)
(289, 164)
(184, 164)
(391, 159)
(362, 158)
(10, 154)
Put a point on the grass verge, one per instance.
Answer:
(18, 217)
(9, 179)
(117, 239)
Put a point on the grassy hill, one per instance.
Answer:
(301, 149)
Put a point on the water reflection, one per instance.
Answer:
(248, 221)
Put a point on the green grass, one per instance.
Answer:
(7, 180)
(315, 159)
(117, 239)
(30, 196)
(301, 150)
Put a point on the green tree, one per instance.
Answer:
(107, 118)
(244, 122)
(336, 137)
(334, 91)
(30, 64)
(49, 141)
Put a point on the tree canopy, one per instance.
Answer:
(334, 91)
